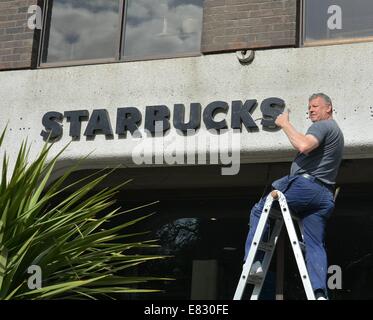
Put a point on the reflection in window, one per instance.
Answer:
(333, 20)
(178, 234)
(81, 30)
(162, 28)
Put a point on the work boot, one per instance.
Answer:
(320, 295)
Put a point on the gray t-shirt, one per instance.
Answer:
(322, 162)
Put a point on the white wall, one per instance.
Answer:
(342, 71)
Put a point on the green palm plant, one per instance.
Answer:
(78, 256)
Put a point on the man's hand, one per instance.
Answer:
(282, 120)
(303, 143)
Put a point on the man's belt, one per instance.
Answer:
(321, 183)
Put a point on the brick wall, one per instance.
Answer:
(248, 24)
(16, 39)
(228, 25)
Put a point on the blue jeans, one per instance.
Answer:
(313, 203)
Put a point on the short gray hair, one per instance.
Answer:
(326, 98)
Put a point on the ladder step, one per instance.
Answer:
(255, 279)
(265, 246)
(276, 214)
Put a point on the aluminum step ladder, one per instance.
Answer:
(269, 247)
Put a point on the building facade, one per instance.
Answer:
(180, 95)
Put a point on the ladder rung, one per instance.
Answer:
(255, 279)
(275, 214)
(265, 246)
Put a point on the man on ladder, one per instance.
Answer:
(310, 186)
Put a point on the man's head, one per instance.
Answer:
(320, 107)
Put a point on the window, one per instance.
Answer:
(337, 21)
(202, 223)
(81, 30)
(162, 28)
(89, 31)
